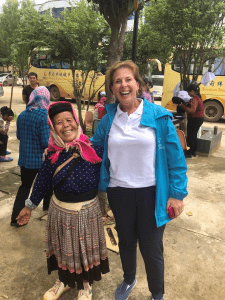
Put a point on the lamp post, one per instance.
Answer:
(135, 31)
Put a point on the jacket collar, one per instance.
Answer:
(151, 113)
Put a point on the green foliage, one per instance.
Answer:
(190, 30)
(79, 39)
(19, 32)
(9, 20)
(23, 42)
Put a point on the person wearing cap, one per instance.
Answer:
(75, 240)
(33, 134)
(195, 116)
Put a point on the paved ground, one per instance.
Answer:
(194, 243)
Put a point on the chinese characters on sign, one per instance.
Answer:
(53, 73)
(219, 83)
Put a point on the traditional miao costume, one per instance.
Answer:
(75, 240)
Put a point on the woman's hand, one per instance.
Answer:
(45, 153)
(177, 206)
(24, 216)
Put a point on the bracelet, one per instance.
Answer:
(30, 204)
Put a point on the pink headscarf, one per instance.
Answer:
(39, 98)
(100, 102)
(81, 142)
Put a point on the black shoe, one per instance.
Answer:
(15, 224)
(188, 155)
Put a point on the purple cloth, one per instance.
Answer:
(147, 96)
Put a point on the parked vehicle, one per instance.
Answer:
(1, 90)
(213, 95)
(57, 76)
(7, 79)
(157, 88)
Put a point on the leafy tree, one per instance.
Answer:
(116, 13)
(9, 20)
(25, 38)
(191, 30)
(78, 39)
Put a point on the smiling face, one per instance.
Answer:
(125, 88)
(33, 80)
(65, 126)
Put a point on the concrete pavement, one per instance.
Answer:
(194, 243)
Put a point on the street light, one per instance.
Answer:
(135, 31)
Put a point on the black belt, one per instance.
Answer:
(66, 197)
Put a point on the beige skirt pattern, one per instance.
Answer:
(75, 242)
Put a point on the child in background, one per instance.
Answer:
(6, 115)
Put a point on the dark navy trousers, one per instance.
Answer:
(134, 212)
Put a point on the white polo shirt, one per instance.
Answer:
(131, 151)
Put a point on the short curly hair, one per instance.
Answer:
(124, 64)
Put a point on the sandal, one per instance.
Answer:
(5, 159)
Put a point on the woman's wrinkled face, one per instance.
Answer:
(65, 126)
(125, 86)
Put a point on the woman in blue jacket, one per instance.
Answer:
(143, 171)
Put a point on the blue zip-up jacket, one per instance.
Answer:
(170, 165)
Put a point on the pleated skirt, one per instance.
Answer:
(75, 244)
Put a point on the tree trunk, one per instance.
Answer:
(113, 44)
(115, 50)
(78, 102)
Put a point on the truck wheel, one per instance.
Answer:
(5, 83)
(54, 93)
(213, 111)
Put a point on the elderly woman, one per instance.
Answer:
(144, 173)
(75, 241)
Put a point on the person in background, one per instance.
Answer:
(6, 115)
(75, 240)
(98, 115)
(27, 90)
(195, 116)
(146, 90)
(143, 172)
(100, 107)
(33, 133)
